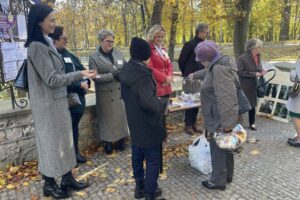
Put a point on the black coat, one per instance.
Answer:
(143, 108)
(75, 86)
(186, 61)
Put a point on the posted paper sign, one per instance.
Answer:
(9, 51)
(10, 71)
(21, 23)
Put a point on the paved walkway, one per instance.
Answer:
(269, 169)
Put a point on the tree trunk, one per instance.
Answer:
(157, 12)
(125, 24)
(147, 12)
(73, 26)
(192, 21)
(144, 26)
(241, 26)
(296, 22)
(174, 22)
(285, 20)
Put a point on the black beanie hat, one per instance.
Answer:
(37, 14)
(139, 49)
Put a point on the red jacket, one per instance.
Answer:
(162, 67)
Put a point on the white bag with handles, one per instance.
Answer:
(199, 155)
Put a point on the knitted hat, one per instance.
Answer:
(139, 49)
(206, 51)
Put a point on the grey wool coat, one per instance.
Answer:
(111, 117)
(218, 96)
(247, 70)
(50, 110)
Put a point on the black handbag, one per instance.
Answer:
(262, 84)
(294, 90)
(73, 97)
(244, 105)
(21, 81)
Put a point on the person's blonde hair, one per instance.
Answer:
(153, 31)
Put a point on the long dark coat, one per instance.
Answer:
(247, 70)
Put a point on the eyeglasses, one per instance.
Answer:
(205, 32)
(109, 41)
(63, 38)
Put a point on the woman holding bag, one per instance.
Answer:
(72, 64)
(249, 69)
(219, 106)
(293, 106)
(48, 82)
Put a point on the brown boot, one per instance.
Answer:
(189, 130)
(196, 129)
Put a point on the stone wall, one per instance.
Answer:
(17, 138)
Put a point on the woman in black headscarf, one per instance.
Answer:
(47, 82)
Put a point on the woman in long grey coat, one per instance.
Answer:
(293, 105)
(219, 106)
(112, 122)
(249, 69)
(49, 105)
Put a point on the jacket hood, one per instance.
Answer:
(132, 71)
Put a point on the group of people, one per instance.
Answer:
(132, 99)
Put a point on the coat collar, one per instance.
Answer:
(153, 48)
(105, 59)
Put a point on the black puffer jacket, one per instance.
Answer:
(143, 108)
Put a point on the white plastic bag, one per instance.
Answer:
(199, 155)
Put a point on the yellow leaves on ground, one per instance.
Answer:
(254, 152)
(89, 163)
(34, 197)
(81, 193)
(163, 176)
(110, 190)
(118, 170)
(14, 177)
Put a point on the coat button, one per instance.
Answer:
(119, 88)
(120, 97)
(112, 100)
(111, 90)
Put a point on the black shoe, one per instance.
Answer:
(229, 180)
(80, 158)
(252, 127)
(212, 186)
(120, 145)
(108, 147)
(152, 197)
(139, 191)
(69, 182)
(52, 190)
(294, 143)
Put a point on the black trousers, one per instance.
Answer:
(191, 116)
(75, 122)
(153, 163)
(222, 164)
(251, 114)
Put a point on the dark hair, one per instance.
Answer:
(200, 27)
(37, 14)
(58, 31)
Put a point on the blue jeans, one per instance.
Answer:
(153, 162)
